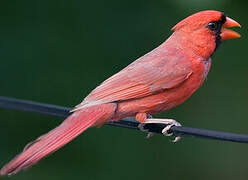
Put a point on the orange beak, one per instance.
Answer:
(227, 33)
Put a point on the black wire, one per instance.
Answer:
(59, 111)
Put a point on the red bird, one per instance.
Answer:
(157, 81)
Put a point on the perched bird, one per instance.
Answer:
(157, 81)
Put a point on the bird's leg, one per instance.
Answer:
(169, 123)
(144, 119)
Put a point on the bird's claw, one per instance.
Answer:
(168, 122)
(141, 127)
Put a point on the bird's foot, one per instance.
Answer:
(168, 122)
(141, 126)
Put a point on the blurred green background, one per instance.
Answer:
(58, 51)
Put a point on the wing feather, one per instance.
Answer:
(150, 74)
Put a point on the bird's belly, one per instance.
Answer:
(167, 99)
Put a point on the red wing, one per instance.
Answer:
(146, 76)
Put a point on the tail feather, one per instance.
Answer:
(46, 144)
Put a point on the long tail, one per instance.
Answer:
(46, 144)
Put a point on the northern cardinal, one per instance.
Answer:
(157, 81)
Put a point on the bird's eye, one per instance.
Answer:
(213, 26)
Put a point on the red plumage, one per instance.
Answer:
(158, 81)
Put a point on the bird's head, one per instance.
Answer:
(205, 30)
